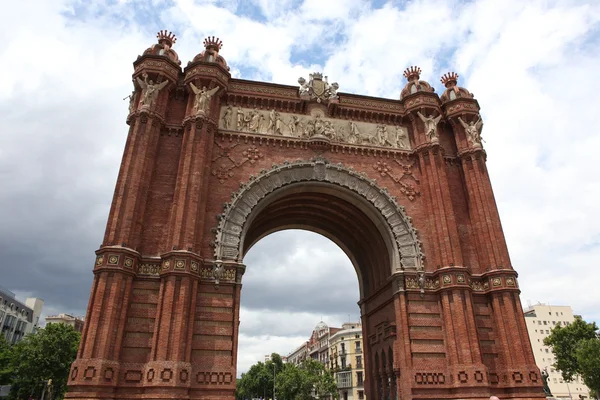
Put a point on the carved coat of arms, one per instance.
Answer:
(317, 88)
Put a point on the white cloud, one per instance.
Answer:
(66, 65)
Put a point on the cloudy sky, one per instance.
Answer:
(66, 65)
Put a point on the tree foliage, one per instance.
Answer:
(47, 354)
(6, 371)
(303, 382)
(588, 358)
(576, 348)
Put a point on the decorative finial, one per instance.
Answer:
(412, 73)
(213, 44)
(169, 37)
(449, 79)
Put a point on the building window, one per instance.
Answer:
(357, 344)
(359, 362)
(545, 322)
(539, 322)
(359, 378)
(546, 350)
(361, 395)
(344, 379)
(554, 379)
(343, 362)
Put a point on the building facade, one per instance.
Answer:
(18, 319)
(347, 361)
(212, 164)
(541, 318)
(341, 351)
(75, 322)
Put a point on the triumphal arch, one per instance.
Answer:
(212, 164)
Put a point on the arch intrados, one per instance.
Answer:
(328, 222)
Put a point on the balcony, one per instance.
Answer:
(344, 380)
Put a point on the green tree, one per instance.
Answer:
(291, 382)
(588, 358)
(6, 371)
(565, 341)
(306, 381)
(44, 355)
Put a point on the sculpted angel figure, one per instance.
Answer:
(131, 97)
(473, 131)
(149, 90)
(303, 89)
(227, 117)
(354, 134)
(202, 100)
(430, 126)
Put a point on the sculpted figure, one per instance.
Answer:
(303, 90)
(240, 119)
(278, 125)
(319, 127)
(131, 102)
(382, 136)
(272, 119)
(354, 134)
(430, 126)
(293, 124)
(401, 138)
(247, 119)
(261, 124)
(149, 90)
(473, 131)
(227, 117)
(202, 100)
(253, 124)
(329, 130)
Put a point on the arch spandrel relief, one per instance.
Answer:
(315, 125)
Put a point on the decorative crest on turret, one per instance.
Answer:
(317, 88)
(412, 73)
(414, 85)
(449, 79)
(212, 43)
(453, 91)
(168, 37)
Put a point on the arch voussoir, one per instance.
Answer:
(233, 221)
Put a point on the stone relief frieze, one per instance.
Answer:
(311, 126)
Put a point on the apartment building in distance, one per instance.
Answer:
(66, 319)
(18, 319)
(340, 350)
(540, 319)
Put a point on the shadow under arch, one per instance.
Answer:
(337, 202)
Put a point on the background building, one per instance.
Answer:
(540, 320)
(340, 350)
(347, 363)
(66, 319)
(18, 319)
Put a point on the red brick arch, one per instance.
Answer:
(163, 316)
(345, 206)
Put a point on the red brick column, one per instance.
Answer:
(97, 366)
